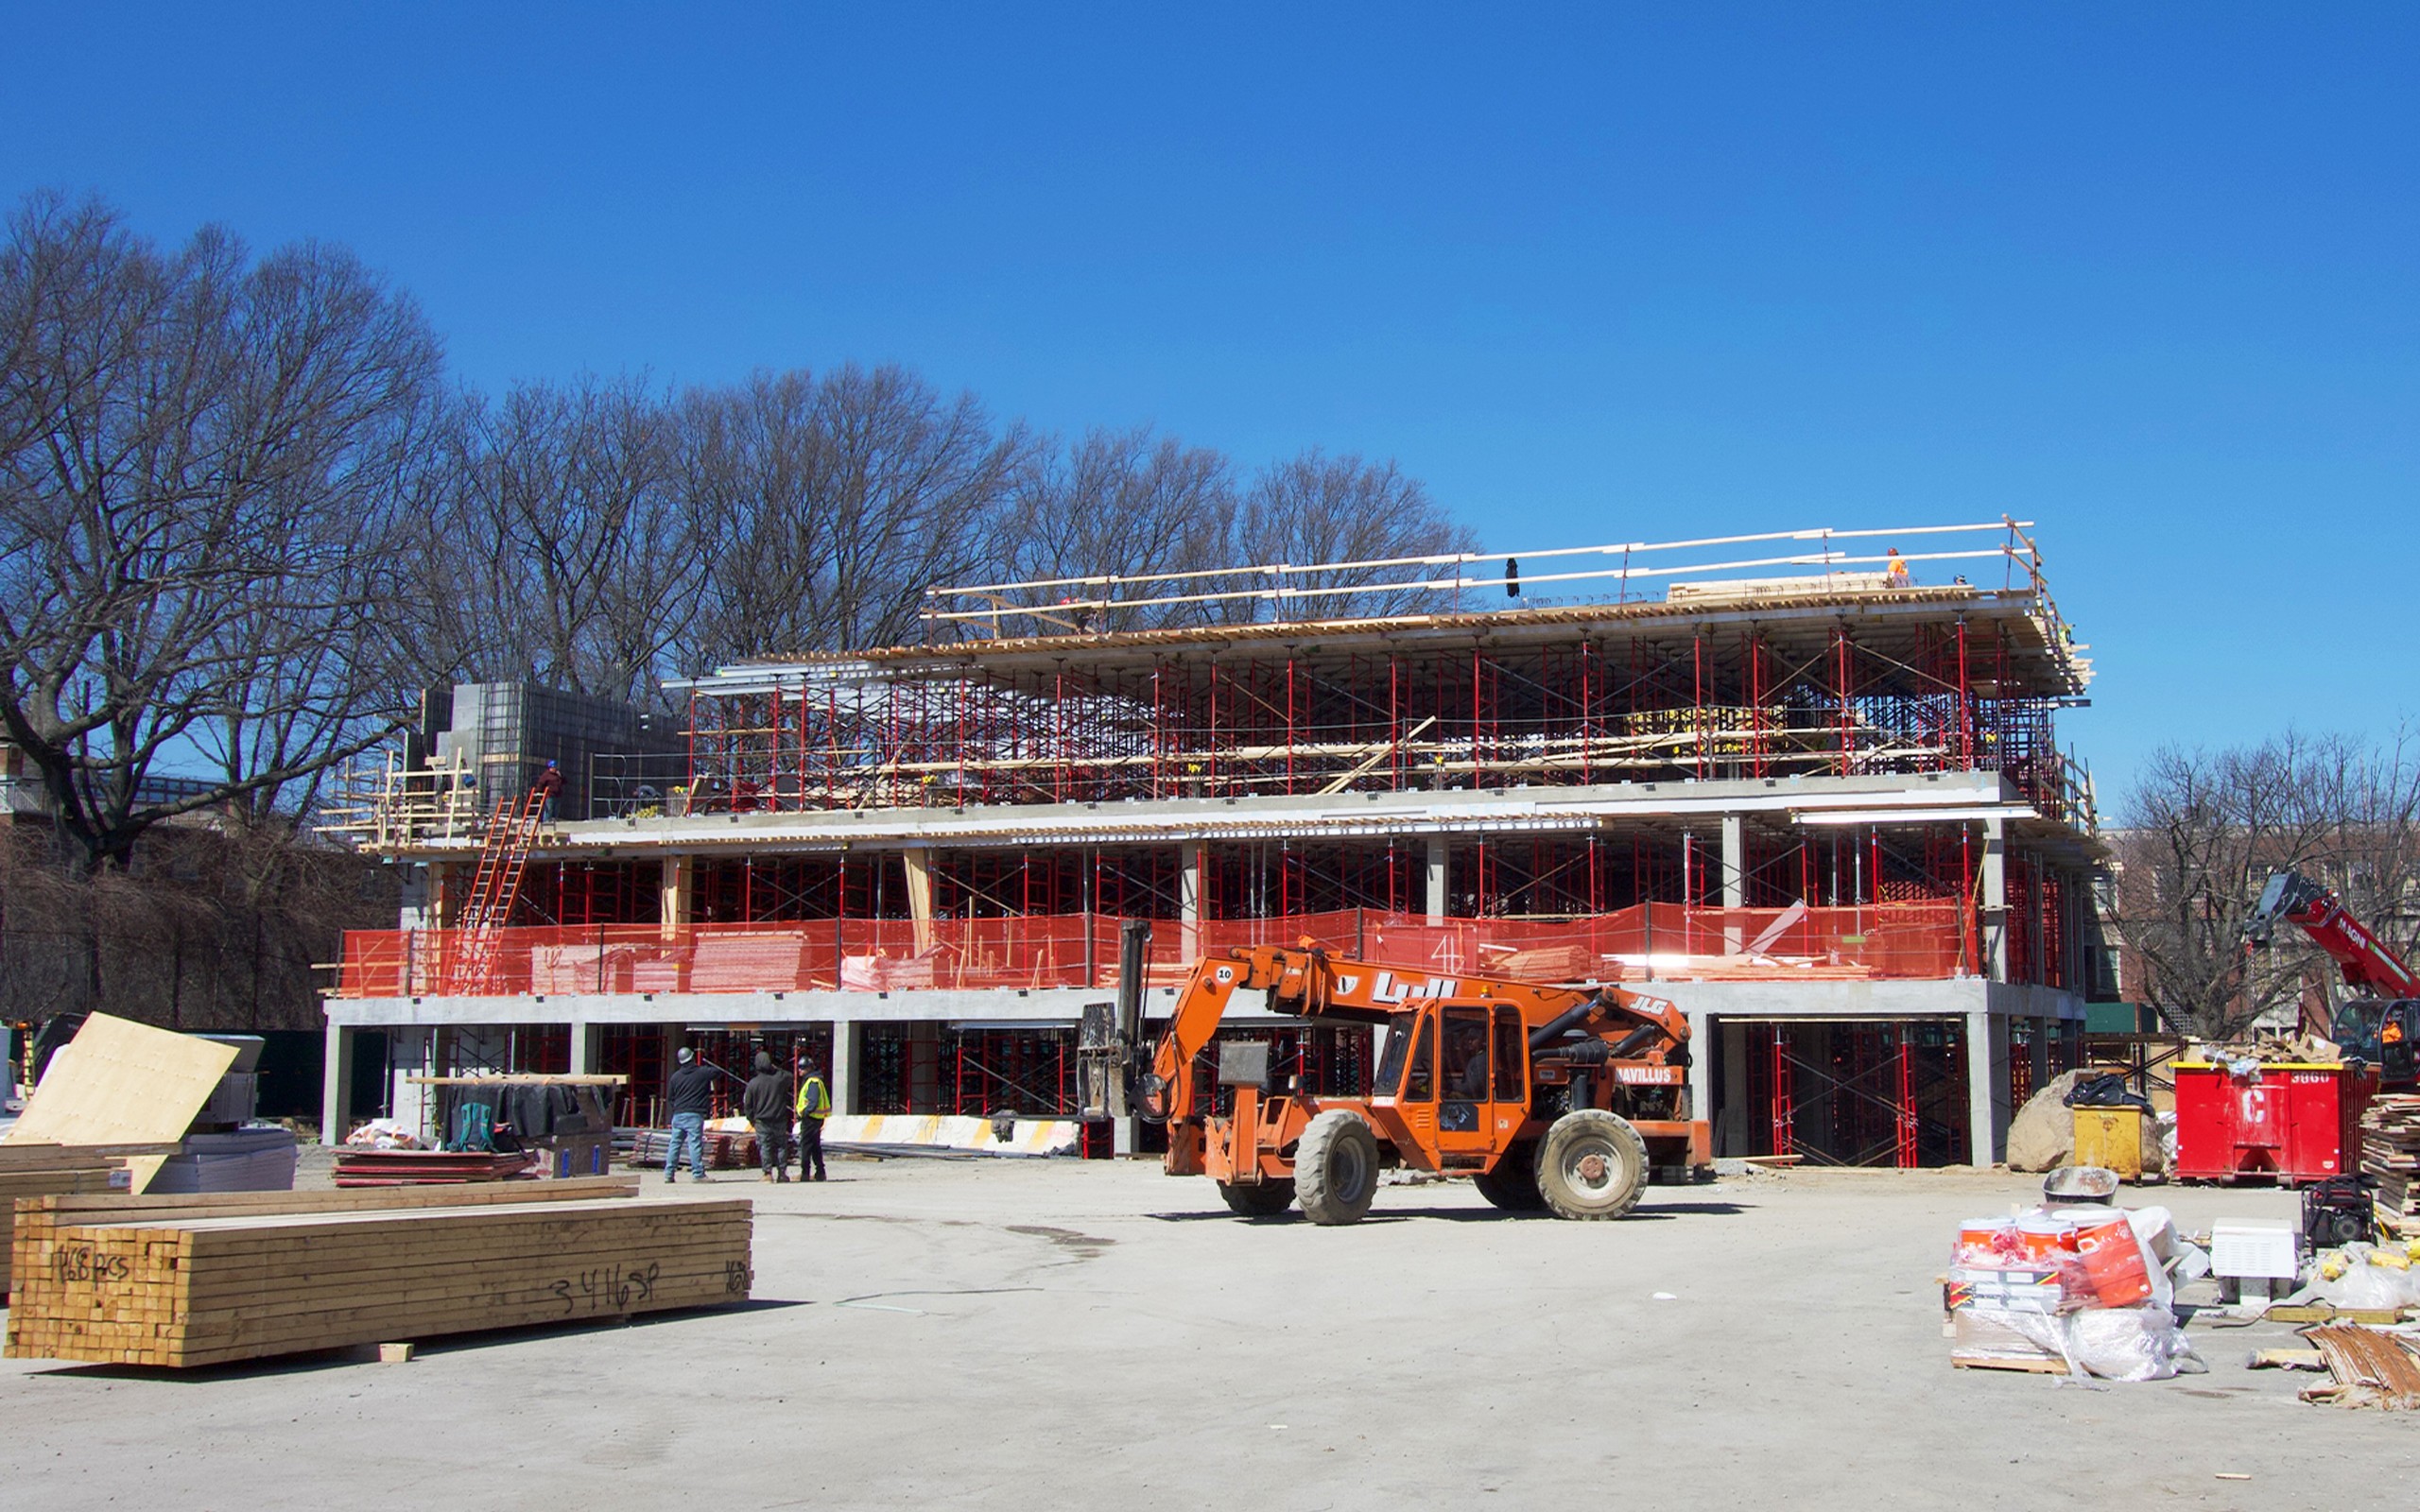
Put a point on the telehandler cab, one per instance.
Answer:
(1553, 1097)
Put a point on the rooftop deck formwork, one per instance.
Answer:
(1836, 672)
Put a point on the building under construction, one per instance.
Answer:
(1812, 795)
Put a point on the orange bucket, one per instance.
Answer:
(2113, 1263)
(2047, 1240)
(1987, 1241)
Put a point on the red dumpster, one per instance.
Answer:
(2292, 1121)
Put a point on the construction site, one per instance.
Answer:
(1824, 810)
(1727, 905)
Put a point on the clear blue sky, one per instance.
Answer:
(2145, 275)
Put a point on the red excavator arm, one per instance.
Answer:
(2369, 968)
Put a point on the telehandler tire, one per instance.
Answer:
(1266, 1200)
(1336, 1168)
(1513, 1184)
(1592, 1164)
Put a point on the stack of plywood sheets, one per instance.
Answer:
(2391, 1156)
(205, 1281)
(120, 1082)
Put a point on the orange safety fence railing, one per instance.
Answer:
(1647, 942)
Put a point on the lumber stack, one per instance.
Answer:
(50, 1170)
(181, 1282)
(2391, 1156)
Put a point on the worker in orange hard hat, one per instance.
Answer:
(1897, 568)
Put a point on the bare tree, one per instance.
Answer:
(1120, 506)
(1318, 508)
(196, 451)
(2204, 829)
(570, 538)
(833, 504)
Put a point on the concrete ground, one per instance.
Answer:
(1054, 1334)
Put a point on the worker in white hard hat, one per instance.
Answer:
(690, 1095)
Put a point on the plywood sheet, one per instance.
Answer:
(119, 1082)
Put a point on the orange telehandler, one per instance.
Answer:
(1554, 1097)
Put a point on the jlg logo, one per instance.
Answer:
(1386, 990)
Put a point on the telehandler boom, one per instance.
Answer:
(1554, 1097)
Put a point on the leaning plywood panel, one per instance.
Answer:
(119, 1082)
(191, 1290)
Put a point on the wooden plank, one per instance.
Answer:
(226, 1204)
(2043, 1365)
(2329, 1312)
(45, 1156)
(119, 1082)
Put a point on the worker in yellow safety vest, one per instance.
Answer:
(1898, 570)
(814, 1106)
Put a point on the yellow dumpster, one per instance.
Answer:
(2110, 1138)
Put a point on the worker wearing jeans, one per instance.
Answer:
(691, 1094)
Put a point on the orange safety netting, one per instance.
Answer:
(1646, 942)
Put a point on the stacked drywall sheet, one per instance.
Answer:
(261, 1159)
(205, 1281)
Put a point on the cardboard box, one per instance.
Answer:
(2029, 1290)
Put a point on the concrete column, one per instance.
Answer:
(335, 1086)
(680, 895)
(587, 1040)
(2040, 1058)
(1703, 1031)
(1440, 861)
(1734, 860)
(408, 1102)
(1992, 900)
(919, 862)
(1192, 873)
(1735, 877)
(844, 1083)
(418, 902)
(1987, 1109)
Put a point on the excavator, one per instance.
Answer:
(1559, 1098)
(2383, 1025)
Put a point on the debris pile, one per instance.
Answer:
(2370, 1367)
(2085, 1291)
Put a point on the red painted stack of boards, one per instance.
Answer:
(418, 1168)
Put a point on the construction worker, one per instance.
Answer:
(1896, 569)
(814, 1106)
(548, 786)
(766, 1104)
(691, 1095)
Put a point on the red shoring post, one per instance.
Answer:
(1290, 720)
(1784, 1113)
(1697, 694)
(1907, 1109)
(1841, 677)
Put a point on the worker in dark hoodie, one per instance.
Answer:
(767, 1102)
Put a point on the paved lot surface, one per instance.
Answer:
(1050, 1334)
